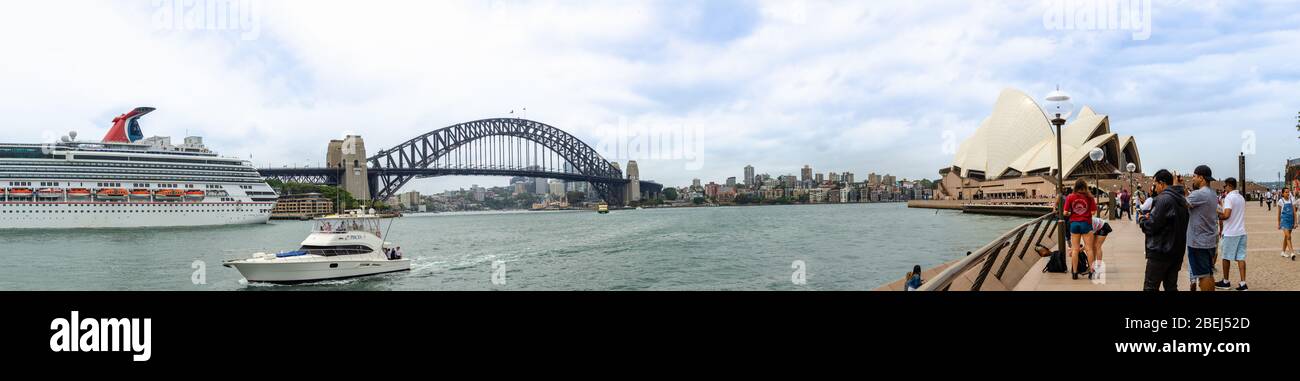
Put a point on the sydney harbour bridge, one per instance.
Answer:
(488, 147)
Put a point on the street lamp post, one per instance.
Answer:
(1096, 155)
(1058, 104)
(1132, 181)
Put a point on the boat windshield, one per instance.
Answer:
(330, 251)
(343, 225)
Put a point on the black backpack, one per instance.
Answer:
(1057, 264)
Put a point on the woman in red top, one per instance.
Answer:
(1080, 206)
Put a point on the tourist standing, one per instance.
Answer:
(1125, 204)
(1080, 206)
(1165, 227)
(1268, 199)
(1100, 229)
(1233, 215)
(1286, 221)
(1202, 229)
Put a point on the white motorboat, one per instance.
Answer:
(339, 246)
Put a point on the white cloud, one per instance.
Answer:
(843, 86)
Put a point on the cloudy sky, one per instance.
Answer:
(879, 86)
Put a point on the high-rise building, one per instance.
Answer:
(847, 177)
(820, 179)
(557, 188)
(695, 183)
(731, 182)
(805, 175)
(409, 200)
(889, 180)
(833, 177)
(788, 181)
(477, 193)
(749, 175)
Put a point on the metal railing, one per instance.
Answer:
(1002, 249)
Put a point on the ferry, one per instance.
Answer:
(127, 181)
(339, 246)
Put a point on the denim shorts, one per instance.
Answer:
(1200, 262)
(1079, 227)
(1234, 248)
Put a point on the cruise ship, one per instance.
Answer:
(127, 181)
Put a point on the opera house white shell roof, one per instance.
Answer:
(1017, 139)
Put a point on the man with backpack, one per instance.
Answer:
(1166, 233)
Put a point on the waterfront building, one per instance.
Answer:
(302, 206)
(711, 189)
(409, 200)
(749, 175)
(817, 195)
(1013, 152)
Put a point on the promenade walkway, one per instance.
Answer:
(1126, 261)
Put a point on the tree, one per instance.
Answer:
(670, 193)
(698, 200)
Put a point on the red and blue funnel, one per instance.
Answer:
(126, 127)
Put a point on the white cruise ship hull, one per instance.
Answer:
(70, 215)
(311, 271)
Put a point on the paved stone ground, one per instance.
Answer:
(1126, 262)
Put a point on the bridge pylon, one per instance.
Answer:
(348, 156)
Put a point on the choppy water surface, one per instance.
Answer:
(845, 247)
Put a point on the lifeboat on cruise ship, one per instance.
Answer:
(195, 195)
(20, 193)
(111, 194)
(78, 193)
(168, 194)
(49, 193)
(141, 194)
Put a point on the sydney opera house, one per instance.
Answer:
(1013, 153)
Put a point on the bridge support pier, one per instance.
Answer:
(349, 157)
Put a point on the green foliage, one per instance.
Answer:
(698, 200)
(670, 193)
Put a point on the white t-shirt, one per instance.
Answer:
(1235, 225)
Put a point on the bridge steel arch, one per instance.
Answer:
(390, 169)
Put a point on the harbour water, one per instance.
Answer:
(844, 247)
